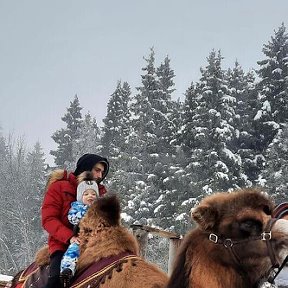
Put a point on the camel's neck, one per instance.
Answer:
(212, 267)
(217, 276)
(220, 265)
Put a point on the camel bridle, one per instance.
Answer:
(266, 236)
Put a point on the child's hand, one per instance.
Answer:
(74, 239)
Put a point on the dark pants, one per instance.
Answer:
(54, 270)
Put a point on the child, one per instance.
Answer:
(87, 192)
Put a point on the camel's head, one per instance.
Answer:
(243, 217)
(104, 212)
(238, 214)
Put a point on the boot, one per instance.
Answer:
(65, 277)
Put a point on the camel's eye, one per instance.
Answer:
(267, 210)
(251, 227)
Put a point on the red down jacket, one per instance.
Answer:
(56, 204)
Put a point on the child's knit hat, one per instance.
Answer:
(86, 185)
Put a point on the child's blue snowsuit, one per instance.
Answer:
(70, 258)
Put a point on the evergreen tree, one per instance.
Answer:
(18, 208)
(36, 185)
(273, 84)
(142, 111)
(177, 118)
(149, 140)
(190, 144)
(115, 130)
(141, 142)
(89, 139)
(162, 106)
(188, 131)
(164, 153)
(242, 88)
(22, 187)
(7, 262)
(218, 166)
(65, 137)
(276, 168)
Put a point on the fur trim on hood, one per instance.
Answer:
(56, 175)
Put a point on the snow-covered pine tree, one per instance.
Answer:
(141, 142)
(242, 88)
(273, 84)
(276, 168)
(177, 119)
(272, 113)
(174, 180)
(162, 193)
(187, 132)
(7, 262)
(37, 176)
(218, 166)
(274, 72)
(115, 132)
(89, 139)
(191, 141)
(115, 129)
(18, 217)
(162, 106)
(65, 137)
(22, 187)
(187, 176)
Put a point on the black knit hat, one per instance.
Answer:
(88, 161)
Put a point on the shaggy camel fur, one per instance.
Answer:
(239, 218)
(103, 236)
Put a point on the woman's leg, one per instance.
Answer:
(54, 270)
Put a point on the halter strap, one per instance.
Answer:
(272, 256)
(229, 243)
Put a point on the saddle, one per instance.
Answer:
(96, 273)
(35, 276)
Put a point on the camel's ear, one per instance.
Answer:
(205, 216)
(108, 208)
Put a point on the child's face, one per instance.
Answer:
(89, 196)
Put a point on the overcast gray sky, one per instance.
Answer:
(52, 50)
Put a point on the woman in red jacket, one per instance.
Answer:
(60, 193)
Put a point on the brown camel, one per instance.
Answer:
(102, 237)
(235, 244)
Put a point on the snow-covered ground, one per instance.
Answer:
(5, 278)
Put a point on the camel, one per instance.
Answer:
(109, 255)
(102, 236)
(235, 244)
